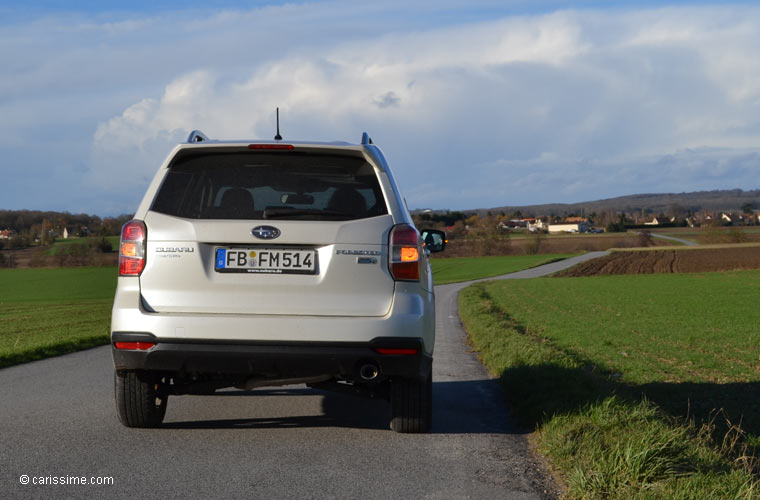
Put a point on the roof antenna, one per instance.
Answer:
(278, 137)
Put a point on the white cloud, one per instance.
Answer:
(549, 179)
(482, 113)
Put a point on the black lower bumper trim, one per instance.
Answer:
(271, 360)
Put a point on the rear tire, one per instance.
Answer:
(412, 405)
(138, 403)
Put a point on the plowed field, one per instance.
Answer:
(670, 261)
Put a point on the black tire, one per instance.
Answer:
(138, 403)
(412, 405)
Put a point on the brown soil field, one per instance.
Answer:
(549, 244)
(715, 235)
(670, 261)
(35, 257)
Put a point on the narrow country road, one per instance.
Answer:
(58, 421)
(682, 241)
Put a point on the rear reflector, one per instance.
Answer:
(135, 346)
(271, 146)
(396, 350)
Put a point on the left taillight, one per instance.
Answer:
(132, 248)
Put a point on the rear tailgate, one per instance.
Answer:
(349, 276)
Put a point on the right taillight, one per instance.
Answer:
(405, 248)
(132, 248)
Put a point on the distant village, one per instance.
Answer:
(586, 225)
(7, 234)
(592, 224)
(24, 228)
(48, 234)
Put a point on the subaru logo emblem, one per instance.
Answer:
(265, 232)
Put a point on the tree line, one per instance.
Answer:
(28, 227)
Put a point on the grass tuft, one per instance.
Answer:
(596, 426)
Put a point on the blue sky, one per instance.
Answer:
(475, 104)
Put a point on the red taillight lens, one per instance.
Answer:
(396, 351)
(405, 247)
(132, 248)
(133, 231)
(130, 267)
(135, 346)
(287, 147)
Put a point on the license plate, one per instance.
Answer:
(265, 260)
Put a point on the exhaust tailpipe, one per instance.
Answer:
(369, 371)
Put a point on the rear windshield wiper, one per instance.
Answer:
(283, 212)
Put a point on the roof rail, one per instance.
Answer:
(196, 136)
(366, 139)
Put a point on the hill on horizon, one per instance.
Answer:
(655, 203)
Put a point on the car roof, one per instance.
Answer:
(243, 142)
(198, 137)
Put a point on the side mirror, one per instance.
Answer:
(435, 240)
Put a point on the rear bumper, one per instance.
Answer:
(412, 315)
(272, 360)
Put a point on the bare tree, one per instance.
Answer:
(534, 246)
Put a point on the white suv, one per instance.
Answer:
(252, 264)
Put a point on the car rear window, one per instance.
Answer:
(284, 186)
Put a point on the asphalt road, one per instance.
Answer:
(57, 420)
(682, 241)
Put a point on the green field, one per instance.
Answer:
(46, 312)
(457, 269)
(67, 246)
(647, 328)
(632, 381)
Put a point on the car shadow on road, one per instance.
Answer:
(337, 410)
(728, 404)
(470, 407)
(459, 407)
(545, 390)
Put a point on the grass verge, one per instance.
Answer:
(456, 269)
(613, 414)
(47, 312)
(64, 247)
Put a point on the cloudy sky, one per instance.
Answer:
(476, 104)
